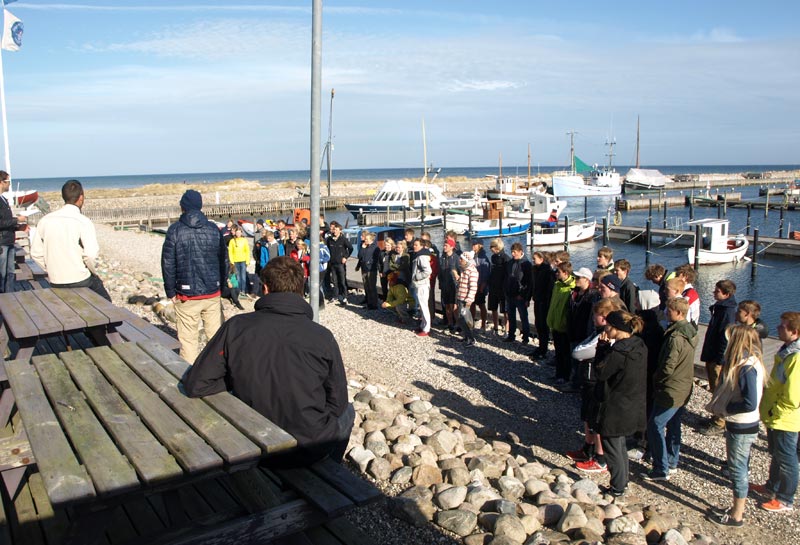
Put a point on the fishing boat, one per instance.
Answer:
(548, 234)
(353, 235)
(571, 183)
(512, 188)
(717, 245)
(539, 207)
(643, 179)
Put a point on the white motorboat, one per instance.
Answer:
(546, 234)
(717, 245)
(644, 179)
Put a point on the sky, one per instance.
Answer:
(145, 87)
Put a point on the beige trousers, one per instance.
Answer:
(188, 315)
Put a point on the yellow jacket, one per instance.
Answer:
(238, 250)
(780, 406)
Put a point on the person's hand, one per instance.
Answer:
(384, 305)
(22, 219)
(344, 260)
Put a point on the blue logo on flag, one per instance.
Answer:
(16, 33)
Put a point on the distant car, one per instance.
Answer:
(754, 175)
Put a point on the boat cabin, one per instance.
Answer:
(714, 235)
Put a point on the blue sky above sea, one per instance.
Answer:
(106, 88)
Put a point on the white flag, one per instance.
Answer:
(12, 32)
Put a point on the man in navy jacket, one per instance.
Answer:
(8, 227)
(194, 261)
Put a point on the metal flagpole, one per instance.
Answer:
(7, 155)
(316, 102)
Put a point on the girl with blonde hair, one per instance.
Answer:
(736, 399)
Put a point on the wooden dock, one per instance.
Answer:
(770, 246)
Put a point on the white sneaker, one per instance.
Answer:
(635, 454)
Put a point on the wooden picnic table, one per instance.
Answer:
(107, 423)
(29, 316)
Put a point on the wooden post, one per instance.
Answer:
(749, 208)
(780, 227)
(647, 243)
(725, 206)
(605, 231)
(566, 233)
(754, 255)
(766, 205)
(530, 229)
(650, 210)
(691, 206)
(665, 215)
(404, 218)
(697, 242)
(585, 208)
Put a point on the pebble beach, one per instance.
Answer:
(467, 443)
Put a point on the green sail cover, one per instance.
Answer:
(580, 166)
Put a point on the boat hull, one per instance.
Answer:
(733, 255)
(22, 198)
(574, 186)
(553, 236)
(639, 186)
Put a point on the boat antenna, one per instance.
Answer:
(529, 164)
(424, 155)
(572, 134)
(637, 141)
(610, 143)
(500, 164)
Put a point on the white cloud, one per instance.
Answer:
(474, 85)
(717, 35)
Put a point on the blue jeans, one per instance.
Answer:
(7, 278)
(664, 449)
(514, 305)
(783, 470)
(241, 275)
(738, 447)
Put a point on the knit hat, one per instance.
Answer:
(615, 319)
(612, 282)
(467, 256)
(191, 200)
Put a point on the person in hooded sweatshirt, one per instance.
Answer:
(194, 263)
(304, 391)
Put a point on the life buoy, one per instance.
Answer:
(617, 218)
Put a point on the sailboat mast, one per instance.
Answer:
(572, 134)
(329, 145)
(529, 164)
(500, 162)
(637, 141)
(424, 155)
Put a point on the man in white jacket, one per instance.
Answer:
(420, 277)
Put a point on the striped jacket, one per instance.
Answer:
(468, 284)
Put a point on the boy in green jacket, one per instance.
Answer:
(780, 412)
(672, 387)
(557, 316)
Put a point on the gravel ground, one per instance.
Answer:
(494, 385)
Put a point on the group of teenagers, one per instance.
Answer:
(629, 352)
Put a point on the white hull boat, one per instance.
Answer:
(717, 246)
(544, 234)
(644, 179)
(569, 184)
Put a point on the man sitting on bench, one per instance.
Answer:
(284, 365)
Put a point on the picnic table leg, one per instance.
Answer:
(12, 478)
(6, 406)
(88, 526)
(26, 348)
(113, 335)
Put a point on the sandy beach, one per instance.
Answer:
(493, 386)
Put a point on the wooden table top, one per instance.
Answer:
(107, 421)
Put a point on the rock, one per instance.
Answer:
(492, 465)
(374, 424)
(480, 495)
(686, 532)
(587, 535)
(419, 406)
(458, 521)
(511, 527)
(477, 539)
(402, 449)
(550, 514)
(442, 442)
(586, 485)
(457, 476)
(510, 488)
(534, 470)
(530, 523)
(418, 493)
(425, 455)
(415, 512)
(627, 539)
(378, 448)
(624, 525)
(402, 475)
(361, 457)
(547, 537)
(385, 405)
(534, 486)
(380, 469)
(657, 525)
(504, 540)
(487, 520)
(501, 448)
(452, 497)
(704, 540)
(595, 525)
(395, 461)
(612, 511)
(394, 432)
(581, 496)
(363, 396)
(452, 463)
(426, 475)
(673, 537)
(573, 517)
(424, 431)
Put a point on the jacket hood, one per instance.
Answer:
(569, 282)
(284, 303)
(631, 344)
(684, 329)
(423, 251)
(729, 302)
(194, 219)
(790, 348)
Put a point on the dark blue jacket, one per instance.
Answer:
(368, 258)
(8, 224)
(194, 259)
(723, 314)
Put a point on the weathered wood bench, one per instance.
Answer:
(135, 329)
